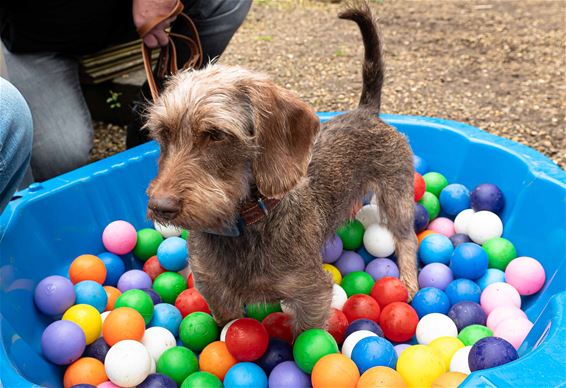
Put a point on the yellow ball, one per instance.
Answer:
(449, 380)
(332, 270)
(88, 318)
(381, 377)
(446, 347)
(420, 365)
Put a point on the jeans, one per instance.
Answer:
(15, 140)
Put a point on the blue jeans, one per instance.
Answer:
(15, 140)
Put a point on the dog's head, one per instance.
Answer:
(222, 129)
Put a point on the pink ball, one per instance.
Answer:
(514, 330)
(525, 274)
(107, 384)
(119, 237)
(502, 313)
(443, 226)
(499, 294)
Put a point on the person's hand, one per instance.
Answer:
(144, 11)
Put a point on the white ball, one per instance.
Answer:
(462, 220)
(153, 368)
(103, 317)
(433, 326)
(225, 330)
(368, 215)
(379, 241)
(459, 361)
(127, 363)
(353, 339)
(339, 297)
(167, 230)
(483, 226)
(157, 340)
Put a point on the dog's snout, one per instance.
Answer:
(164, 206)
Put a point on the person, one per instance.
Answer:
(43, 40)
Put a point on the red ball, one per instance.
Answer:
(153, 268)
(247, 339)
(190, 301)
(388, 290)
(337, 324)
(361, 306)
(190, 281)
(398, 321)
(278, 325)
(420, 186)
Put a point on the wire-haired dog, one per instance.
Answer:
(244, 167)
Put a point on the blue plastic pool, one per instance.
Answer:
(53, 222)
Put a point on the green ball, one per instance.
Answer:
(469, 335)
(202, 380)
(197, 330)
(148, 242)
(169, 285)
(259, 311)
(184, 234)
(358, 282)
(351, 234)
(178, 363)
(435, 182)
(310, 346)
(431, 204)
(138, 300)
(500, 252)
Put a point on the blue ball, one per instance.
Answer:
(487, 197)
(173, 254)
(490, 352)
(454, 198)
(114, 268)
(92, 293)
(461, 290)
(167, 316)
(157, 380)
(155, 298)
(459, 238)
(368, 257)
(374, 351)
(469, 261)
(245, 375)
(97, 349)
(278, 351)
(492, 275)
(420, 165)
(436, 248)
(430, 300)
(467, 313)
(363, 324)
(421, 218)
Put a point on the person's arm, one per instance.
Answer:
(144, 11)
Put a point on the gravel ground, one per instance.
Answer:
(498, 65)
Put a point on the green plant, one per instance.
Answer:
(113, 100)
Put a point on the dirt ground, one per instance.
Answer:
(498, 65)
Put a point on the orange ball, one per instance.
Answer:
(113, 293)
(381, 377)
(449, 380)
(87, 267)
(124, 323)
(423, 234)
(335, 370)
(216, 359)
(85, 370)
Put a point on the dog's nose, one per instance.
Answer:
(164, 206)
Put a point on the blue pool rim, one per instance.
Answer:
(546, 356)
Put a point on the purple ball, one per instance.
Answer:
(435, 275)
(467, 313)
(490, 352)
(134, 279)
(54, 295)
(289, 375)
(487, 197)
(158, 380)
(97, 349)
(363, 324)
(348, 262)
(155, 298)
(332, 249)
(459, 238)
(399, 348)
(421, 218)
(63, 342)
(380, 268)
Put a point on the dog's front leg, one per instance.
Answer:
(224, 305)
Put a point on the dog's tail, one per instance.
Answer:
(372, 70)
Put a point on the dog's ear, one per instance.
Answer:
(285, 128)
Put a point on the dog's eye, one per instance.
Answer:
(216, 135)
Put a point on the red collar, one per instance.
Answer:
(253, 211)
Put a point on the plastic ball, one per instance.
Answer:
(368, 215)
(433, 326)
(332, 249)
(199, 329)
(54, 295)
(98, 349)
(148, 241)
(278, 325)
(422, 235)
(381, 377)
(445, 347)
(173, 254)
(361, 306)
(245, 374)
(473, 333)
(436, 248)
(419, 185)
(454, 198)
(487, 196)
(154, 296)
(420, 366)
(379, 241)
(157, 380)
(350, 262)
(459, 361)
(88, 318)
(492, 275)
(435, 275)
(85, 370)
(398, 321)
(278, 351)
(91, 293)
(513, 330)
(123, 323)
(435, 182)
(449, 380)
(363, 324)
(430, 300)
(358, 282)
(334, 272)
(115, 267)
(462, 221)
(420, 165)
(216, 359)
(247, 339)
(127, 363)
(335, 370)
(374, 351)
(467, 313)
(138, 300)
(169, 285)
(337, 324)
(112, 295)
(432, 205)
(289, 375)
(190, 301)
(63, 342)
(421, 218)
(483, 226)
(368, 257)
(502, 313)
(526, 275)
(153, 268)
(442, 225)
(119, 237)
(134, 279)
(178, 363)
(459, 238)
(225, 330)
(339, 297)
(500, 252)
(166, 316)
(499, 294)
(400, 348)
(87, 267)
(352, 340)
(107, 384)
(167, 230)
(469, 261)
(201, 379)
(491, 352)
(388, 290)
(351, 233)
(462, 290)
(157, 340)
(310, 346)
(381, 268)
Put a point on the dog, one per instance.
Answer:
(246, 166)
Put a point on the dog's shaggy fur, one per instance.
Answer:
(224, 130)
